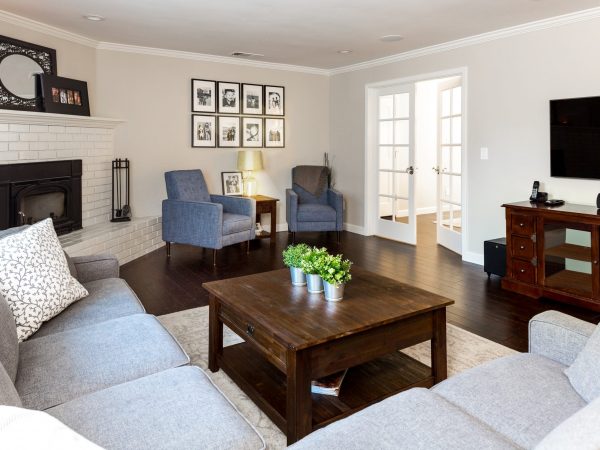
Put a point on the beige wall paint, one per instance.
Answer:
(509, 84)
(152, 94)
(74, 60)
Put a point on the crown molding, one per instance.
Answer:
(538, 25)
(208, 58)
(40, 27)
(66, 120)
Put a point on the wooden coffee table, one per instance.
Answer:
(292, 337)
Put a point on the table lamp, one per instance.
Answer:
(248, 161)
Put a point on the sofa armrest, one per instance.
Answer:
(195, 223)
(236, 205)
(558, 336)
(336, 201)
(291, 209)
(96, 267)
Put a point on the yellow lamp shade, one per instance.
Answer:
(250, 160)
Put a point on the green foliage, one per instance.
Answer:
(293, 254)
(334, 269)
(311, 261)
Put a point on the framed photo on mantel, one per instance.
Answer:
(64, 95)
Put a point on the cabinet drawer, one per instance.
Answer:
(264, 207)
(255, 335)
(523, 271)
(523, 225)
(522, 247)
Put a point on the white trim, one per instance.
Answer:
(208, 58)
(355, 229)
(538, 25)
(42, 118)
(472, 257)
(40, 27)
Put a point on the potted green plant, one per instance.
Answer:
(292, 258)
(310, 266)
(335, 273)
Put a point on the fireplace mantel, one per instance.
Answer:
(42, 118)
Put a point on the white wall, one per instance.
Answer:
(152, 94)
(510, 82)
(426, 145)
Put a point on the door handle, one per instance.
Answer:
(436, 169)
(410, 170)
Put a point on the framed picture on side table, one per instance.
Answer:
(204, 131)
(232, 183)
(252, 99)
(204, 96)
(229, 131)
(275, 100)
(229, 98)
(275, 133)
(252, 132)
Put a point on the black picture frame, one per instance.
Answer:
(45, 57)
(237, 142)
(197, 142)
(269, 109)
(224, 86)
(268, 143)
(197, 99)
(247, 90)
(239, 188)
(76, 101)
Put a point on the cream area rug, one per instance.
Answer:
(190, 328)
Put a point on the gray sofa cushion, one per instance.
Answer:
(584, 373)
(234, 223)
(314, 212)
(108, 299)
(60, 367)
(9, 343)
(179, 408)
(415, 419)
(523, 396)
(8, 393)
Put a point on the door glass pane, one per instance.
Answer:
(455, 187)
(445, 131)
(401, 184)
(446, 211)
(386, 183)
(456, 163)
(402, 211)
(402, 105)
(386, 133)
(386, 158)
(456, 130)
(401, 158)
(401, 135)
(456, 218)
(386, 208)
(445, 194)
(446, 103)
(456, 101)
(386, 107)
(445, 166)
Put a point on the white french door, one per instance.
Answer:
(393, 166)
(449, 168)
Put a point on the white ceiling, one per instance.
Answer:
(298, 32)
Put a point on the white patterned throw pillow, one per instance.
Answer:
(35, 277)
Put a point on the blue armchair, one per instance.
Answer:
(190, 215)
(311, 205)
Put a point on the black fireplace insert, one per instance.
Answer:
(30, 192)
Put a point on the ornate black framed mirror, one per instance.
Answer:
(19, 63)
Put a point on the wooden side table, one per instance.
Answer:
(266, 205)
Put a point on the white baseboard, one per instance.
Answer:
(354, 228)
(472, 257)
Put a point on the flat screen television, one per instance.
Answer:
(575, 138)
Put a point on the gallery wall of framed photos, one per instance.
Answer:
(232, 115)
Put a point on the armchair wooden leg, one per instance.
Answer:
(339, 237)
(248, 246)
(168, 249)
(293, 237)
(214, 257)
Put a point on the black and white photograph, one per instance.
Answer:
(204, 96)
(232, 183)
(274, 100)
(229, 132)
(252, 98)
(252, 129)
(204, 131)
(229, 98)
(274, 133)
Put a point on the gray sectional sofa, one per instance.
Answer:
(516, 402)
(115, 375)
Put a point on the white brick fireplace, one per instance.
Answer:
(33, 137)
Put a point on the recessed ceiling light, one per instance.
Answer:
(391, 38)
(94, 17)
(344, 52)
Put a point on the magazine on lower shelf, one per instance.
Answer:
(329, 385)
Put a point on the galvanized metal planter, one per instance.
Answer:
(315, 283)
(298, 277)
(333, 292)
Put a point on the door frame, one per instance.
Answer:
(370, 144)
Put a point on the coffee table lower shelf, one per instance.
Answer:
(363, 385)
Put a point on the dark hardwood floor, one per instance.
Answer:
(481, 306)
